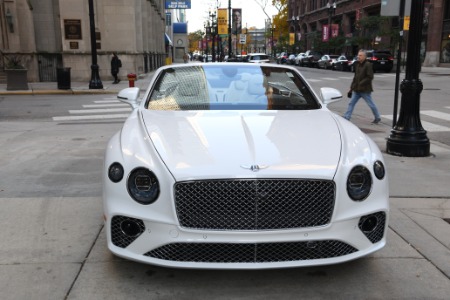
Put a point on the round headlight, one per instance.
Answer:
(143, 186)
(115, 172)
(378, 169)
(359, 183)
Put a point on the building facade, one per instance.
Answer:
(51, 34)
(308, 18)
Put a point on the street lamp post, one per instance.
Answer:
(272, 29)
(95, 82)
(408, 138)
(331, 12)
(229, 28)
(207, 34)
(213, 33)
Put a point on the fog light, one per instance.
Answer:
(130, 228)
(115, 172)
(378, 169)
(369, 224)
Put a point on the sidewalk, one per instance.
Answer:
(78, 88)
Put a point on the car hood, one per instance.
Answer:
(245, 144)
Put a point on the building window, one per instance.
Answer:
(447, 10)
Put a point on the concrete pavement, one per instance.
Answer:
(62, 258)
(77, 88)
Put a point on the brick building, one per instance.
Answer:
(308, 19)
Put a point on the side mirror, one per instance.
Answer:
(130, 96)
(330, 95)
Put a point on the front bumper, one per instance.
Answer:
(172, 246)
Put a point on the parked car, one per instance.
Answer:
(282, 58)
(351, 63)
(326, 61)
(283, 184)
(258, 58)
(311, 59)
(381, 60)
(291, 59)
(298, 58)
(342, 63)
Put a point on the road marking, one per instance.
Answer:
(314, 80)
(430, 127)
(345, 77)
(106, 101)
(101, 111)
(384, 75)
(327, 78)
(105, 105)
(91, 117)
(436, 114)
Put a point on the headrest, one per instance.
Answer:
(256, 85)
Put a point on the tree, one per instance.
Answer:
(194, 39)
(372, 27)
(281, 26)
(263, 5)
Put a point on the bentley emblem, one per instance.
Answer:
(254, 168)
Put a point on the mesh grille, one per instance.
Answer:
(251, 253)
(377, 234)
(118, 237)
(254, 204)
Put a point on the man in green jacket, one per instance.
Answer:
(361, 87)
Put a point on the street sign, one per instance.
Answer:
(242, 39)
(391, 8)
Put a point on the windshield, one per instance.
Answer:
(230, 87)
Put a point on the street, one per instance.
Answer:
(53, 245)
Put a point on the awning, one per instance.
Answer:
(168, 40)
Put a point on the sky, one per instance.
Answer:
(252, 14)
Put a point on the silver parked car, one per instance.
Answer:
(326, 61)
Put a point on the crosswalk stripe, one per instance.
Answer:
(327, 78)
(105, 105)
(430, 127)
(106, 101)
(436, 114)
(90, 117)
(96, 111)
(314, 80)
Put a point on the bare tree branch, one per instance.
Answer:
(263, 5)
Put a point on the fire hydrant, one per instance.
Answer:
(131, 79)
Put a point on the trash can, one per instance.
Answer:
(63, 77)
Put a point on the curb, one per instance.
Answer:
(59, 92)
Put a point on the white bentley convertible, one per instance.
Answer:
(241, 166)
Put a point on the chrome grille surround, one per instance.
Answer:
(251, 252)
(254, 204)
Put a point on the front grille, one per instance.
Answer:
(254, 204)
(251, 253)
